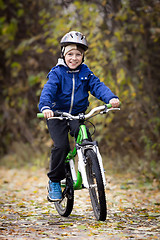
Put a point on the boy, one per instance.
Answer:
(67, 90)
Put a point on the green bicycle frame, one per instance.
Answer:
(71, 155)
(82, 135)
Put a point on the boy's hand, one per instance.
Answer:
(48, 113)
(114, 102)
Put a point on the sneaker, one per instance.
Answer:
(54, 191)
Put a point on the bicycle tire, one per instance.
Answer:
(96, 186)
(64, 207)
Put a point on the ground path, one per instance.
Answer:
(133, 210)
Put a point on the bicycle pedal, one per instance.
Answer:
(63, 182)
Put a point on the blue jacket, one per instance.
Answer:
(67, 90)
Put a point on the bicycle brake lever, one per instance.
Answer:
(105, 110)
(57, 113)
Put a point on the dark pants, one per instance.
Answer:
(58, 130)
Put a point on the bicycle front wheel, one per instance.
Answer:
(96, 186)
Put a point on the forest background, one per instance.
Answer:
(124, 52)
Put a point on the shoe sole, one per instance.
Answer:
(53, 200)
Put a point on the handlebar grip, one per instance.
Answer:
(40, 115)
(108, 105)
(56, 114)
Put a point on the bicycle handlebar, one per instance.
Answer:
(63, 115)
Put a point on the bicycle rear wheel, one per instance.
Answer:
(65, 206)
(96, 186)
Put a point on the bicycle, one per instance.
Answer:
(90, 172)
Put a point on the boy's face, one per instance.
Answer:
(73, 59)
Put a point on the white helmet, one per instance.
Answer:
(74, 37)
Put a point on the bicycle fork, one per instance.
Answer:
(82, 161)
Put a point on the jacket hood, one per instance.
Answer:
(61, 62)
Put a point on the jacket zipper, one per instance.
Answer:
(72, 97)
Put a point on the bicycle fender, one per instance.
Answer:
(96, 150)
(81, 168)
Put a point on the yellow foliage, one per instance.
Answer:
(118, 35)
(107, 43)
(120, 75)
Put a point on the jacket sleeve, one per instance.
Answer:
(48, 94)
(100, 90)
